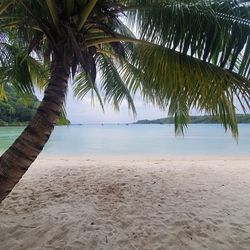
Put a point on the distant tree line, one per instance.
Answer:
(205, 119)
(18, 110)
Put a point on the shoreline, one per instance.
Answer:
(140, 157)
(85, 203)
(147, 158)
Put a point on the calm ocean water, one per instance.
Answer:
(151, 140)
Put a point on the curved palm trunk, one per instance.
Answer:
(18, 158)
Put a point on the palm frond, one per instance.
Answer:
(21, 70)
(4, 5)
(3, 95)
(53, 13)
(86, 12)
(176, 81)
(83, 84)
(214, 31)
(112, 85)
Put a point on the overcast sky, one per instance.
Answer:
(83, 111)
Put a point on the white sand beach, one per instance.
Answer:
(101, 203)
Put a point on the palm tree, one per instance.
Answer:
(178, 54)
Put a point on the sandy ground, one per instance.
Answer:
(80, 203)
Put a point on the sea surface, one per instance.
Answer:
(150, 140)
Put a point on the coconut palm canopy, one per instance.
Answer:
(178, 54)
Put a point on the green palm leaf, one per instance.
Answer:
(83, 84)
(113, 87)
(171, 79)
(213, 31)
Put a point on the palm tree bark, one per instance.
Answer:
(18, 158)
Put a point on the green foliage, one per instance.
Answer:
(63, 121)
(3, 123)
(16, 109)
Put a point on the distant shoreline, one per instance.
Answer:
(203, 119)
(116, 124)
